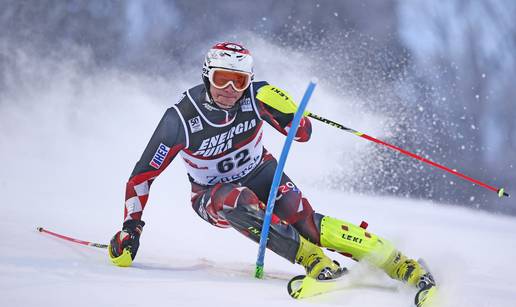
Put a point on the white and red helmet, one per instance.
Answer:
(230, 56)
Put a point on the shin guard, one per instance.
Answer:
(359, 244)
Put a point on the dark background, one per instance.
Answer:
(443, 71)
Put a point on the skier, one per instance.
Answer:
(216, 127)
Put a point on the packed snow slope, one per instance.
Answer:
(69, 138)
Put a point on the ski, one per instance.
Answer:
(303, 286)
(425, 296)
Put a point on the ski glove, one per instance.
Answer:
(124, 244)
(277, 99)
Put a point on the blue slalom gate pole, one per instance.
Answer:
(277, 178)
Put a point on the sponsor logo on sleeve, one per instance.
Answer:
(246, 105)
(159, 156)
(195, 124)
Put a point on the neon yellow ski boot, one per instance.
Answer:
(317, 264)
(414, 274)
(359, 244)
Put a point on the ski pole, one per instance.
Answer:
(98, 245)
(500, 191)
(277, 178)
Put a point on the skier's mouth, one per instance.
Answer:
(225, 105)
(226, 101)
(227, 96)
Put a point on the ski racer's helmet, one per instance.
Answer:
(228, 61)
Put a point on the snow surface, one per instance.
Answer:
(70, 137)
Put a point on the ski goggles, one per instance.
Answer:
(221, 78)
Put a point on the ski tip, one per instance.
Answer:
(426, 297)
(294, 286)
(303, 286)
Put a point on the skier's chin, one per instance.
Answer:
(226, 102)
